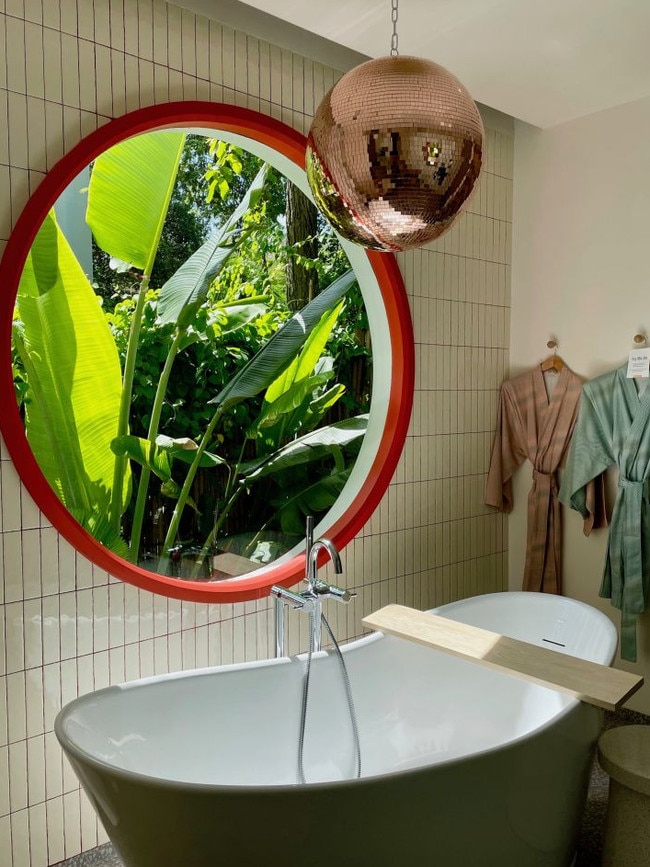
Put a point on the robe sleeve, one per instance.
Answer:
(582, 485)
(507, 454)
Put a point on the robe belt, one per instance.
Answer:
(548, 481)
(625, 557)
(542, 568)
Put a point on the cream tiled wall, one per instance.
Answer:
(68, 627)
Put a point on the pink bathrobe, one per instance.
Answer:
(531, 425)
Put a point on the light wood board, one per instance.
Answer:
(590, 682)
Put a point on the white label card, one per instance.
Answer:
(639, 364)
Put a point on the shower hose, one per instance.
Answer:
(305, 700)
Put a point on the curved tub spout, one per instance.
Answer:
(311, 574)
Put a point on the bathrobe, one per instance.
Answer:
(614, 430)
(533, 425)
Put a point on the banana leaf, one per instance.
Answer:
(73, 371)
(186, 290)
(318, 407)
(129, 192)
(145, 453)
(184, 448)
(130, 189)
(276, 356)
(308, 357)
(158, 456)
(309, 499)
(286, 407)
(230, 317)
(287, 402)
(318, 444)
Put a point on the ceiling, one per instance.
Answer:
(542, 61)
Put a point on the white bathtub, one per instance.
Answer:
(461, 766)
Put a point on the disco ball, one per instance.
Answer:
(394, 152)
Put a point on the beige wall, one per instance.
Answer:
(580, 272)
(68, 627)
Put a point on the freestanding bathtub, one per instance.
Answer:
(462, 766)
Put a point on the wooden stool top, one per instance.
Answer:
(624, 753)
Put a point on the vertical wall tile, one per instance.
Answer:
(87, 89)
(17, 118)
(14, 638)
(202, 48)
(20, 839)
(18, 775)
(36, 770)
(88, 819)
(4, 156)
(174, 37)
(228, 58)
(13, 571)
(146, 84)
(34, 77)
(33, 634)
(72, 823)
(16, 50)
(70, 77)
(31, 564)
(131, 83)
(188, 42)
(51, 629)
(38, 834)
(5, 801)
(145, 29)
(68, 9)
(118, 83)
(130, 27)
(55, 836)
(160, 30)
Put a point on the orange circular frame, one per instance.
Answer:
(213, 117)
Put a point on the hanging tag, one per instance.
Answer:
(638, 364)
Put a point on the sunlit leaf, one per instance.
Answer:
(184, 449)
(281, 349)
(73, 370)
(316, 445)
(236, 316)
(129, 191)
(187, 289)
(147, 454)
(288, 401)
(305, 361)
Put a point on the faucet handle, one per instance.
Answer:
(304, 601)
(331, 591)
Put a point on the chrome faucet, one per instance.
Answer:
(309, 600)
(311, 562)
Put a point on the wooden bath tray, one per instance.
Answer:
(591, 682)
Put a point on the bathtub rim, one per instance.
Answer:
(82, 756)
(104, 767)
(568, 601)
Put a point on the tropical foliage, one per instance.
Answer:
(156, 399)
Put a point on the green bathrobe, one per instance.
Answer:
(613, 429)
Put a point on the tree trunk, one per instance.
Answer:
(302, 235)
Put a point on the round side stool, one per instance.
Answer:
(624, 753)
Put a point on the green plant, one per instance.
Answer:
(71, 379)
(224, 302)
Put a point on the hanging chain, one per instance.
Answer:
(393, 17)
